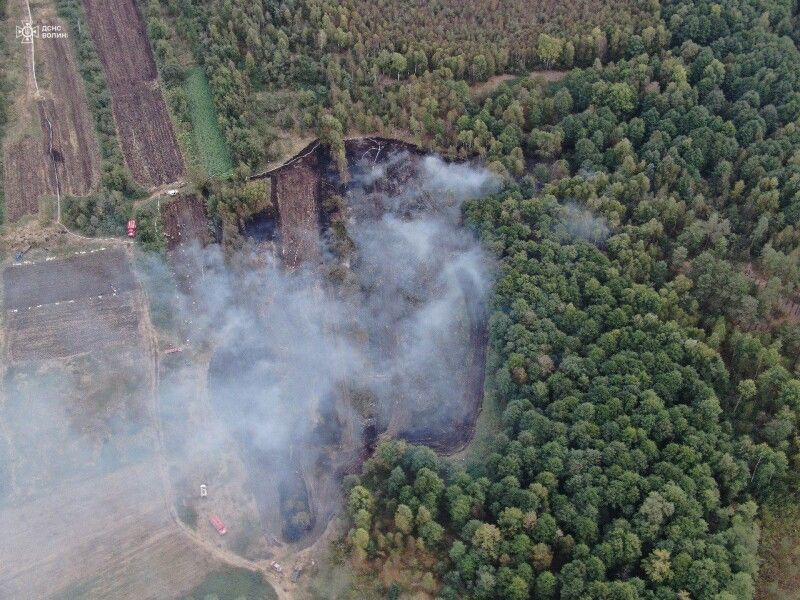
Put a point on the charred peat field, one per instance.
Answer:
(357, 309)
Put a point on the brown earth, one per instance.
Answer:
(143, 124)
(26, 177)
(74, 143)
(109, 537)
(185, 222)
(83, 275)
(296, 189)
(72, 327)
(185, 227)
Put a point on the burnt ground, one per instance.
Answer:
(314, 207)
(186, 228)
(296, 193)
(145, 131)
(296, 488)
(185, 222)
(385, 182)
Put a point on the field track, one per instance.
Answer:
(143, 124)
(116, 530)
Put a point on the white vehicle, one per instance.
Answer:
(172, 192)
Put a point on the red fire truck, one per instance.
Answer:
(218, 524)
(132, 228)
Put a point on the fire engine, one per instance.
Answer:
(132, 228)
(218, 524)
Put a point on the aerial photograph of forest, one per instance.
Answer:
(400, 299)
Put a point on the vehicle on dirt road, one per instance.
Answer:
(218, 524)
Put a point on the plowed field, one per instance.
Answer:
(74, 142)
(26, 177)
(109, 537)
(296, 189)
(143, 124)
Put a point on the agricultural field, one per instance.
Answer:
(185, 229)
(79, 439)
(208, 141)
(185, 222)
(143, 124)
(108, 537)
(52, 146)
(296, 189)
(64, 108)
(25, 177)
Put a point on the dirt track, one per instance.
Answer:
(145, 130)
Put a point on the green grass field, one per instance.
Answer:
(230, 583)
(213, 151)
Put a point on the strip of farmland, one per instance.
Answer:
(74, 144)
(25, 175)
(143, 124)
(67, 145)
(296, 193)
(80, 276)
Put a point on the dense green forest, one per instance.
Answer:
(366, 66)
(645, 331)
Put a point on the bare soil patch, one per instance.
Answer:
(26, 177)
(296, 189)
(109, 537)
(83, 275)
(186, 228)
(75, 149)
(145, 130)
(185, 222)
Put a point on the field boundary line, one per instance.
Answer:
(33, 49)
